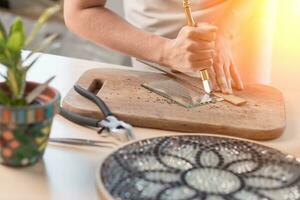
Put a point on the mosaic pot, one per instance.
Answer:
(24, 131)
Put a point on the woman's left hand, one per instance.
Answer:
(227, 74)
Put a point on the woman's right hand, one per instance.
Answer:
(193, 50)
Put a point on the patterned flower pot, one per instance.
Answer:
(24, 131)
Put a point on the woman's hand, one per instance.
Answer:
(198, 48)
(192, 50)
(227, 74)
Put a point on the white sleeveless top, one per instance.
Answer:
(166, 17)
(253, 46)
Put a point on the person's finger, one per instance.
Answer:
(227, 75)
(213, 79)
(202, 36)
(203, 31)
(202, 64)
(203, 45)
(233, 84)
(204, 54)
(198, 55)
(238, 83)
(207, 26)
(219, 70)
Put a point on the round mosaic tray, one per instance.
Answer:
(199, 168)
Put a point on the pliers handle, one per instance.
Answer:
(119, 129)
(94, 98)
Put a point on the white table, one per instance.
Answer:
(69, 172)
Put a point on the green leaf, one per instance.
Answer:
(21, 78)
(3, 36)
(13, 83)
(17, 26)
(28, 67)
(2, 44)
(2, 30)
(16, 38)
(3, 60)
(19, 102)
(15, 42)
(7, 59)
(44, 44)
(3, 76)
(4, 99)
(41, 21)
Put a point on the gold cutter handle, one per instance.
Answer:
(191, 22)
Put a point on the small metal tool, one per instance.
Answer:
(188, 13)
(206, 81)
(162, 88)
(191, 22)
(114, 127)
(83, 142)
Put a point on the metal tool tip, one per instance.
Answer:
(204, 74)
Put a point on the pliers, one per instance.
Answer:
(114, 127)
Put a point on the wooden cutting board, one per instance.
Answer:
(262, 118)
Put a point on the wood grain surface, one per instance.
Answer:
(261, 118)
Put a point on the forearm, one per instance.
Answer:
(96, 23)
(191, 51)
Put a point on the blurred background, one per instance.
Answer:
(68, 44)
(285, 48)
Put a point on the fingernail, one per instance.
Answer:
(224, 90)
(229, 85)
(241, 86)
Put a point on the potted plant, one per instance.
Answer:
(26, 108)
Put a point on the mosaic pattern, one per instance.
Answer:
(24, 132)
(27, 116)
(200, 168)
(25, 144)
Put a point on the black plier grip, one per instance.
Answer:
(92, 97)
(117, 128)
